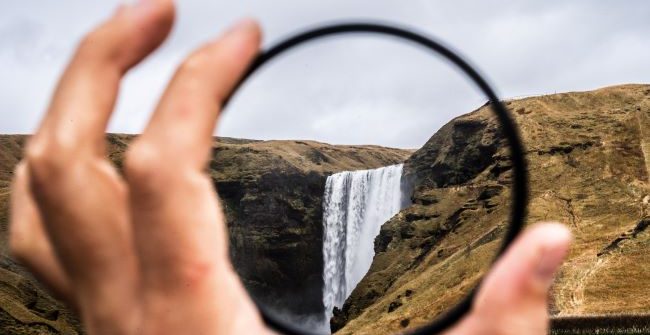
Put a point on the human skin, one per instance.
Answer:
(147, 253)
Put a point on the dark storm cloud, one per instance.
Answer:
(354, 90)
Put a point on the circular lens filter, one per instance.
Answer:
(509, 131)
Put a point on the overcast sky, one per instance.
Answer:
(352, 90)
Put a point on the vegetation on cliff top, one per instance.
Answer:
(588, 161)
(589, 164)
(271, 192)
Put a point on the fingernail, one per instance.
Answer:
(552, 257)
(243, 25)
(136, 3)
(138, 6)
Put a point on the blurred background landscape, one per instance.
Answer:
(363, 113)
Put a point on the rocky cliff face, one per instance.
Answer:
(459, 182)
(589, 157)
(588, 154)
(271, 192)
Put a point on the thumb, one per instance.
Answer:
(513, 299)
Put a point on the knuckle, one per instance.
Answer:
(194, 273)
(20, 245)
(20, 172)
(141, 164)
(36, 153)
(89, 45)
(196, 62)
(49, 155)
(46, 156)
(99, 47)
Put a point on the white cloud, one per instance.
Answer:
(353, 90)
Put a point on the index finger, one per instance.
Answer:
(165, 166)
(183, 124)
(85, 95)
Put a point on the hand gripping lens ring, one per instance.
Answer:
(508, 129)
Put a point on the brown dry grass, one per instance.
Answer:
(588, 165)
(26, 309)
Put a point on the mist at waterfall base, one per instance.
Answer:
(355, 206)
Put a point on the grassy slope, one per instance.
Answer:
(588, 169)
(27, 309)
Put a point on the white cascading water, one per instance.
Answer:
(355, 206)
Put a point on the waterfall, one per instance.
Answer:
(355, 205)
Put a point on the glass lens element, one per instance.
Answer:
(356, 200)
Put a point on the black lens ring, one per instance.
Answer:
(508, 128)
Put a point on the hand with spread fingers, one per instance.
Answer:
(147, 253)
